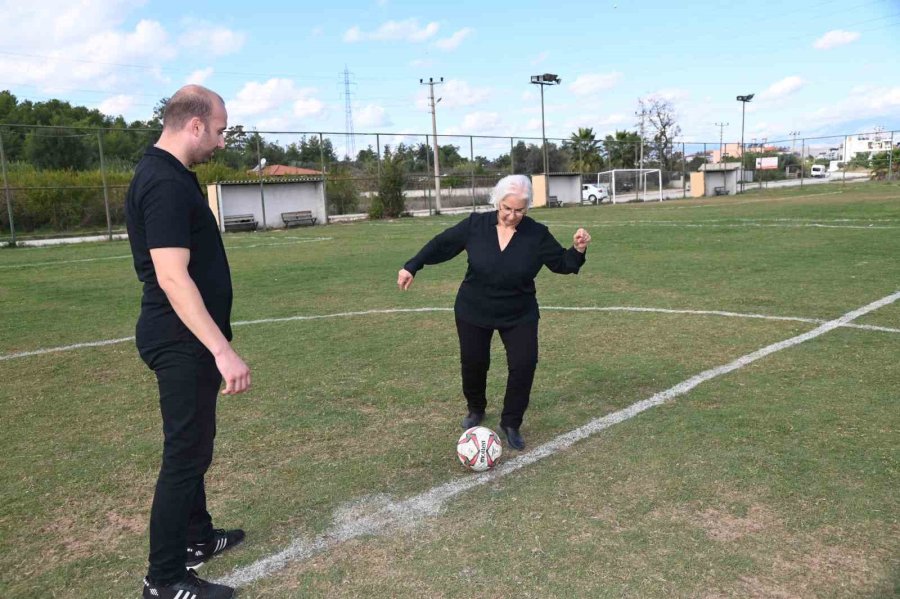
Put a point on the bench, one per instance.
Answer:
(721, 191)
(553, 202)
(301, 218)
(240, 222)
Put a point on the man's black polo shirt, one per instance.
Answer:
(165, 207)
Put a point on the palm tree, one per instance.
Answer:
(585, 150)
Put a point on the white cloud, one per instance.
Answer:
(317, 32)
(217, 40)
(420, 62)
(371, 115)
(199, 76)
(871, 102)
(782, 88)
(483, 123)
(540, 58)
(592, 83)
(672, 94)
(266, 101)
(117, 105)
(408, 30)
(304, 107)
(453, 42)
(835, 38)
(453, 94)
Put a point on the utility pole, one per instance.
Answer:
(794, 135)
(721, 127)
(437, 167)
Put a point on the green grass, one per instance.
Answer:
(777, 480)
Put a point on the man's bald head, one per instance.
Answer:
(188, 102)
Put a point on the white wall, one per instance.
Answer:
(235, 198)
(566, 187)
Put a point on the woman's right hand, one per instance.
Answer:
(404, 279)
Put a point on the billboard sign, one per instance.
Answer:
(768, 163)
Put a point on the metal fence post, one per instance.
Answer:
(378, 149)
(891, 159)
(427, 190)
(12, 224)
(105, 187)
(512, 160)
(683, 173)
(324, 175)
(472, 169)
(802, 160)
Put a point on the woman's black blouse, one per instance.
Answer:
(498, 289)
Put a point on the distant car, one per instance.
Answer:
(593, 194)
(818, 170)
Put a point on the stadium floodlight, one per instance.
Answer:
(743, 100)
(542, 80)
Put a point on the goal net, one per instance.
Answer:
(632, 184)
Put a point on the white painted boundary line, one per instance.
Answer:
(410, 511)
(229, 248)
(75, 346)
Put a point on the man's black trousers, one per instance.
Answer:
(521, 343)
(188, 387)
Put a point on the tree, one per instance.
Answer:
(622, 149)
(660, 116)
(882, 161)
(585, 151)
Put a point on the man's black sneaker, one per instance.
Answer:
(191, 587)
(222, 540)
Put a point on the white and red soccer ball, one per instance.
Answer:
(479, 448)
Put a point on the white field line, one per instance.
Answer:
(123, 256)
(409, 512)
(759, 225)
(239, 323)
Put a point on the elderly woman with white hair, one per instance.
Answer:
(506, 249)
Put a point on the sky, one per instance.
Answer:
(825, 67)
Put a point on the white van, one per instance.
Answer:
(818, 170)
(593, 194)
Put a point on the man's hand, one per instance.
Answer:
(581, 240)
(235, 372)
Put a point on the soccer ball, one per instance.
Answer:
(479, 448)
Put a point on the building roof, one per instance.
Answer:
(271, 180)
(282, 170)
(720, 166)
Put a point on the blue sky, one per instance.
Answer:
(821, 68)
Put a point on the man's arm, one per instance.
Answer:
(171, 266)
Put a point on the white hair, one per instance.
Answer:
(512, 184)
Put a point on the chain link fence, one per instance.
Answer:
(60, 181)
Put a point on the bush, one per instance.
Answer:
(390, 201)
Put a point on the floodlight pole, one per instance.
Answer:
(542, 80)
(743, 100)
(437, 165)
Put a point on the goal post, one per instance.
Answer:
(632, 184)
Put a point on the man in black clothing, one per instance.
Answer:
(506, 250)
(183, 335)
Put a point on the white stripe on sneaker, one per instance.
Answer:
(178, 595)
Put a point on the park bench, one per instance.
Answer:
(553, 202)
(240, 222)
(721, 191)
(301, 218)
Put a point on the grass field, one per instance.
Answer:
(778, 478)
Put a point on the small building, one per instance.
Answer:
(715, 179)
(270, 197)
(565, 187)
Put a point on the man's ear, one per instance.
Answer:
(196, 126)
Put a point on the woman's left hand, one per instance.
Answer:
(581, 240)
